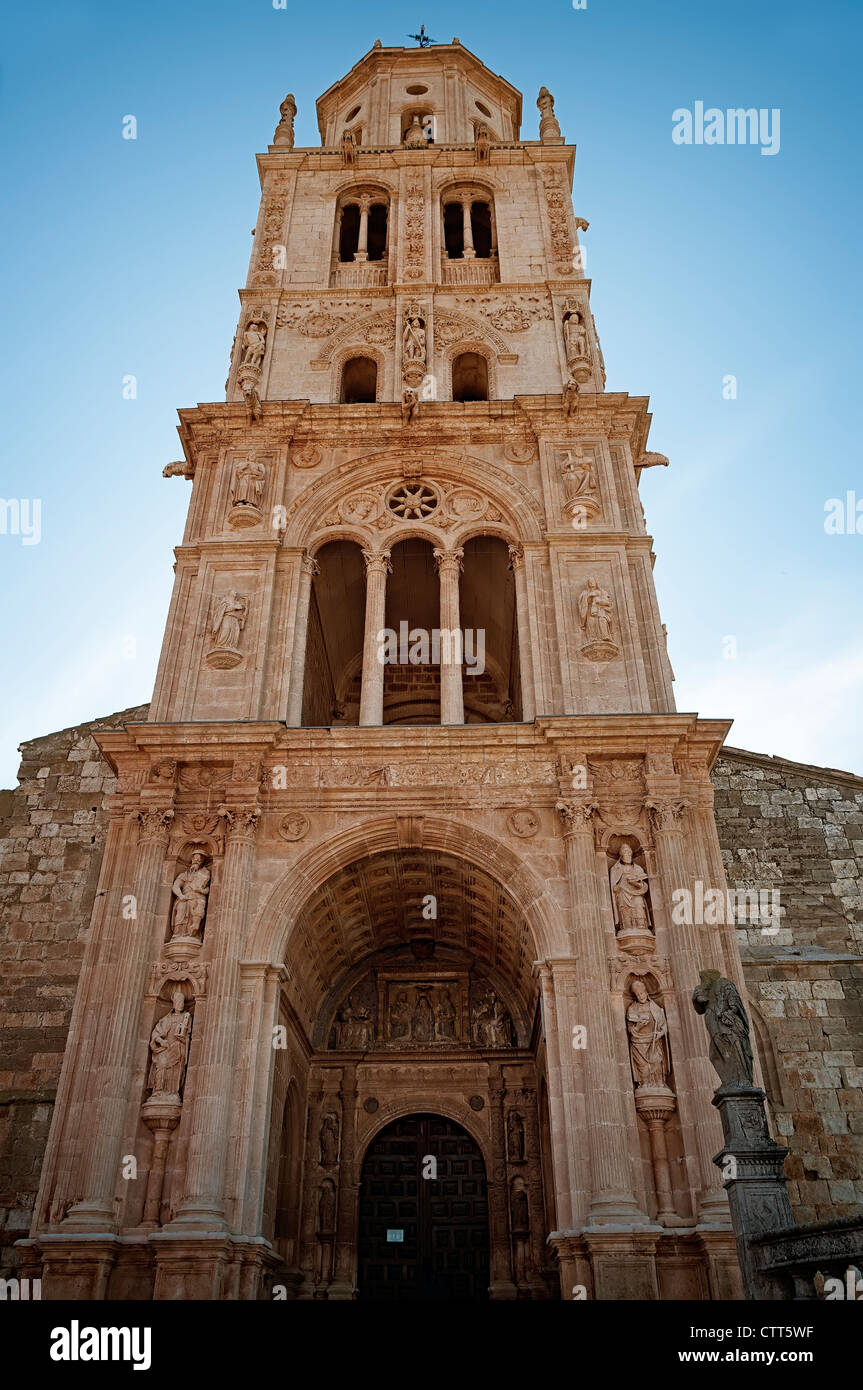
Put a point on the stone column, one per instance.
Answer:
(525, 650)
(119, 1027)
(684, 953)
(308, 570)
(372, 695)
(203, 1207)
(343, 1283)
(656, 1105)
(362, 251)
(502, 1284)
(612, 1200)
(162, 1117)
(449, 567)
(469, 253)
(556, 1112)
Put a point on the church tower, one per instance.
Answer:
(387, 992)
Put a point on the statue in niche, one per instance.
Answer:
(329, 1140)
(326, 1208)
(415, 136)
(169, 1049)
(515, 1137)
(348, 146)
(249, 479)
(414, 339)
(629, 885)
(482, 144)
(400, 1017)
(285, 129)
(647, 1027)
(354, 1026)
(595, 612)
(491, 1023)
(519, 1209)
(254, 343)
(575, 336)
(229, 619)
(422, 1025)
(364, 1028)
(728, 1026)
(445, 1017)
(579, 476)
(191, 888)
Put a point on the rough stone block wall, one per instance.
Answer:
(52, 834)
(799, 830)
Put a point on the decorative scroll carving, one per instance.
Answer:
(561, 240)
(193, 972)
(511, 315)
(414, 265)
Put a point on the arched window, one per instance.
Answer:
(470, 377)
(362, 228)
(469, 227)
(359, 381)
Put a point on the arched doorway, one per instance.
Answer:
(423, 1218)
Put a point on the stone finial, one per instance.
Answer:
(728, 1026)
(549, 127)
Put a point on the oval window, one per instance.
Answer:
(484, 109)
(417, 91)
(352, 115)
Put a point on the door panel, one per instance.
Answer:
(444, 1252)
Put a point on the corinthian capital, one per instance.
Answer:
(377, 562)
(516, 556)
(666, 813)
(448, 561)
(154, 823)
(576, 815)
(241, 823)
(309, 565)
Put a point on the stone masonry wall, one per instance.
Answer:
(781, 825)
(799, 830)
(52, 834)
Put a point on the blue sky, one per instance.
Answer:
(124, 257)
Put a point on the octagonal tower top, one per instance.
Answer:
(443, 91)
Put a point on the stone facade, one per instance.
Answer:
(391, 861)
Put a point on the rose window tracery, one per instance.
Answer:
(413, 501)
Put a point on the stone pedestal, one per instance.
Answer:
(752, 1164)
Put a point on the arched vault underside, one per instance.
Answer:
(373, 908)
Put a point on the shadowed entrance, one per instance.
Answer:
(423, 1237)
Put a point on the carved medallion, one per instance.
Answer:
(294, 826)
(524, 823)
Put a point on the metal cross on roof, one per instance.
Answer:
(422, 37)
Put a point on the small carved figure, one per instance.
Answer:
(190, 888)
(400, 1016)
(254, 343)
(595, 612)
(285, 129)
(519, 1210)
(647, 1026)
(169, 1048)
(410, 404)
(579, 476)
(414, 340)
(482, 145)
(728, 1026)
(254, 410)
(574, 337)
(363, 1029)
(249, 479)
(570, 397)
(515, 1137)
(422, 1024)
(229, 619)
(629, 886)
(445, 1016)
(348, 148)
(326, 1208)
(415, 136)
(329, 1140)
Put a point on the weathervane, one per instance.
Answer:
(422, 37)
